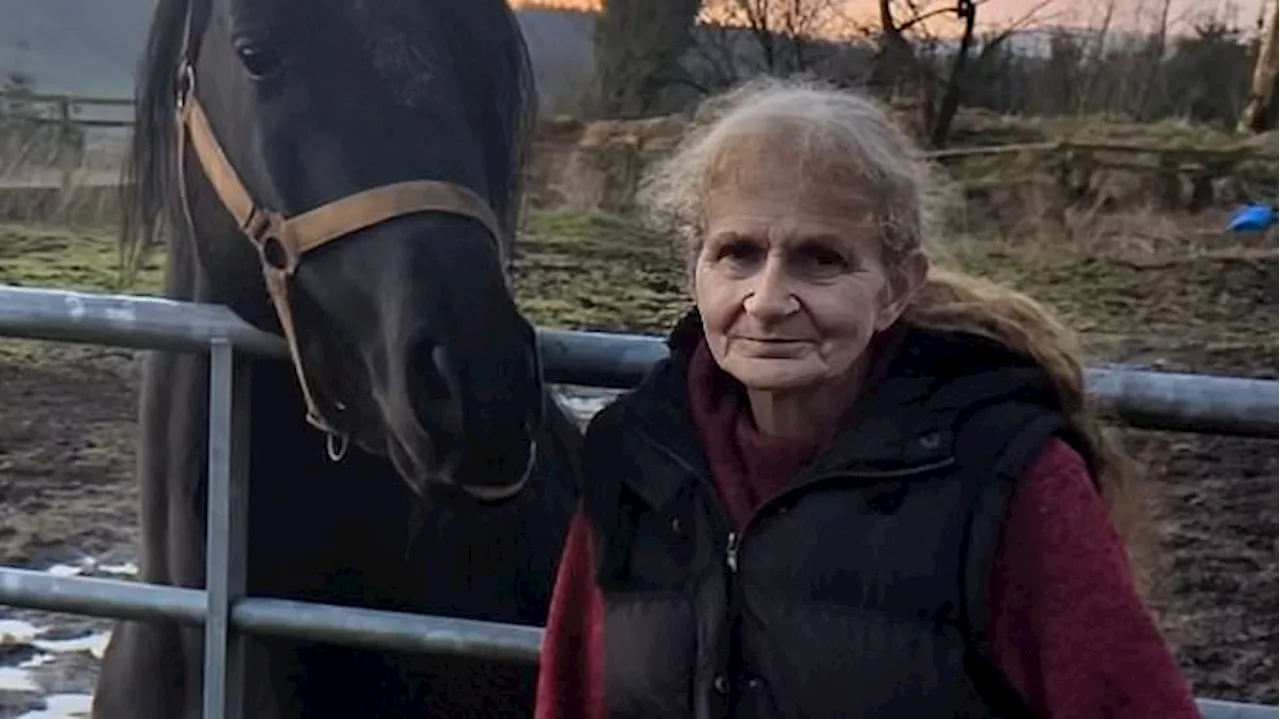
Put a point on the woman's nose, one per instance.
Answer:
(771, 295)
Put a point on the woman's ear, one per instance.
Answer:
(908, 277)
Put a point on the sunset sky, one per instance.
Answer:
(1129, 14)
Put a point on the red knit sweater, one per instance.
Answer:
(1067, 626)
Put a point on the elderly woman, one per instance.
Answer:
(859, 487)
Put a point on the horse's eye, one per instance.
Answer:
(260, 60)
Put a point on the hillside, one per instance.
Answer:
(76, 46)
(90, 47)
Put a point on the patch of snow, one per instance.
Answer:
(62, 706)
(16, 631)
(95, 644)
(13, 679)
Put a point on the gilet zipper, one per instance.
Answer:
(734, 539)
(734, 549)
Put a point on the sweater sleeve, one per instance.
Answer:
(571, 673)
(1068, 626)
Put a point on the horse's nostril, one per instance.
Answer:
(435, 392)
(430, 374)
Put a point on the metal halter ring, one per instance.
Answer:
(336, 445)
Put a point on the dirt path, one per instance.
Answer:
(66, 454)
(66, 493)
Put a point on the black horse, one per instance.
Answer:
(397, 128)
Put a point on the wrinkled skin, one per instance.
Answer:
(792, 285)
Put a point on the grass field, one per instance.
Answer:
(606, 272)
(1179, 298)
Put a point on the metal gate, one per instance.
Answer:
(1156, 400)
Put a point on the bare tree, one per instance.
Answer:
(777, 37)
(638, 47)
(1089, 74)
(903, 34)
(949, 105)
(1152, 58)
(1259, 113)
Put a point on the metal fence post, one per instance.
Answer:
(225, 538)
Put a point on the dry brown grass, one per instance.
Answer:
(1136, 271)
(1142, 275)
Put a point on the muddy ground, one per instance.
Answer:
(66, 492)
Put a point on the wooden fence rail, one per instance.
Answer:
(63, 113)
(1067, 163)
(66, 106)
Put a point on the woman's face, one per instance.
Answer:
(789, 280)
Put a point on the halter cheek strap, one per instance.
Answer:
(281, 242)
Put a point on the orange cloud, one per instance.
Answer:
(1128, 14)
(557, 4)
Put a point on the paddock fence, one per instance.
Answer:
(1154, 400)
(48, 133)
(70, 187)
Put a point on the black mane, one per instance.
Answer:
(508, 143)
(148, 173)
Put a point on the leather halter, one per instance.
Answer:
(282, 241)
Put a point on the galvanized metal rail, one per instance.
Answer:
(1225, 405)
(1142, 398)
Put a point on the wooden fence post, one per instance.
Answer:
(66, 131)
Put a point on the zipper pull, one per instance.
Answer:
(731, 552)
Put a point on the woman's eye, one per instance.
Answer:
(740, 252)
(822, 260)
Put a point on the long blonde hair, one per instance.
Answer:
(854, 137)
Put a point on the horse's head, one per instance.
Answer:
(358, 163)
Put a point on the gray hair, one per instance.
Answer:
(849, 137)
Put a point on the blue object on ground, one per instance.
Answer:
(1252, 218)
